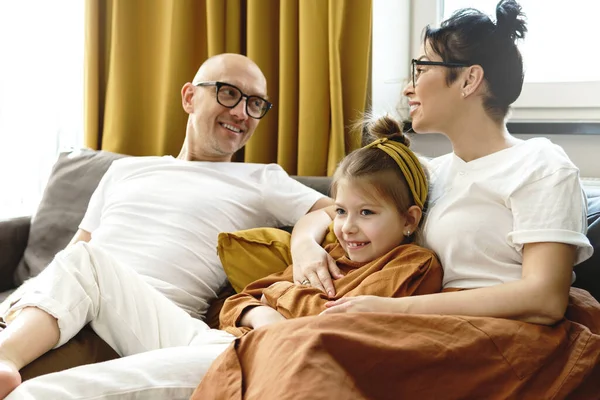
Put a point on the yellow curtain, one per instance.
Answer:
(314, 53)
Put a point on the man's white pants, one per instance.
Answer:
(165, 351)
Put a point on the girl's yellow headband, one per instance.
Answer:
(409, 165)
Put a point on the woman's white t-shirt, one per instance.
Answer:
(482, 212)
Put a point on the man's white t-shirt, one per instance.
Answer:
(161, 216)
(482, 212)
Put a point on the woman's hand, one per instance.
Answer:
(315, 267)
(363, 304)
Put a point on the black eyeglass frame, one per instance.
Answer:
(415, 62)
(219, 85)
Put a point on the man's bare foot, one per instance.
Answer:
(9, 378)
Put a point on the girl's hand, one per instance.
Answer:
(362, 304)
(315, 267)
(263, 300)
(261, 316)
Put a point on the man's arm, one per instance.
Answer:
(291, 202)
(311, 262)
(322, 203)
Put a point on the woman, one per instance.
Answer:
(507, 216)
(507, 219)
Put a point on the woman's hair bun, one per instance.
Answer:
(387, 127)
(510, 20)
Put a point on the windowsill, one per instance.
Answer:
(555, 128)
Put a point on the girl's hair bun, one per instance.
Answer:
(386, 127)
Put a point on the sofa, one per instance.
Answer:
(28, 244)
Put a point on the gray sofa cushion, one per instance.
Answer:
(319, 183)
(13, 240)
(5, 294)
(74, 178)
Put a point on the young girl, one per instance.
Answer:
(380, 192)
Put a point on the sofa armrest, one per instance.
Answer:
(13, 241)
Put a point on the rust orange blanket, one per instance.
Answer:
(404, 271)
(387, 356)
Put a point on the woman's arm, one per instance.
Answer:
(541, 296)
(309, 259)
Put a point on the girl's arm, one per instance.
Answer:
(246, 307)
(260, 316)
(541, 296)
(309, 259)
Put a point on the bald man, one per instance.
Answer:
(142, 267)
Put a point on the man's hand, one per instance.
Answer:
(362, 304)
(261, 316)
(314, 266)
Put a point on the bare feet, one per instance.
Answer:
(9, 378)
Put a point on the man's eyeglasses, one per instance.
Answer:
(416, 72)
(230, 96)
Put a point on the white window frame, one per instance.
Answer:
(572, 101)
(390, 55)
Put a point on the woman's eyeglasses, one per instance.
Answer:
(416, 73)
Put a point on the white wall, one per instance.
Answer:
(394, 43)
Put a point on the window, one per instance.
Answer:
(562, 78)
(41, 95)
(558, 36)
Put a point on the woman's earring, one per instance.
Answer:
(463, 94)
(407, 233)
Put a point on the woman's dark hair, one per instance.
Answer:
(470, 37)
